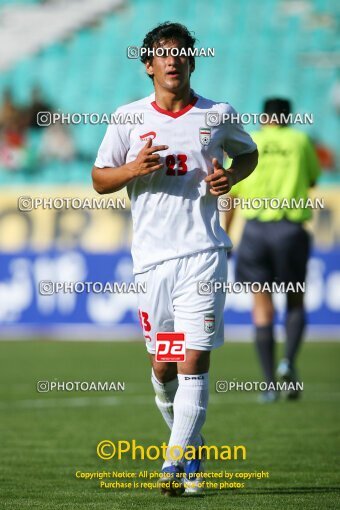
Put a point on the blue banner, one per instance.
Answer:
(21, 301)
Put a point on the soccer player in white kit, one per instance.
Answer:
(172, 167)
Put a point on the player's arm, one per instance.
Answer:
(222, 180)
(312, 164)
(229, 215)
(242, 166)
(111, 179)
(240, 147)
(236, 191)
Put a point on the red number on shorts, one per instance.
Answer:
(170, 162)
(144, 322)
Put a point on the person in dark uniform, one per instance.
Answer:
(275, 246)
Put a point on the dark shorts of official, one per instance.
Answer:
(273, 251)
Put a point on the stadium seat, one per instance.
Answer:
(90, 72)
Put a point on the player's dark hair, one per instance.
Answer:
(277, 106)
(166, 32)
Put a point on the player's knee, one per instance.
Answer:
(197, 362)
(263, 315)
(164, 372)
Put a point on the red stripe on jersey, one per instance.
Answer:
(174, 115)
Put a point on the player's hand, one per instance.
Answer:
(147, 161)
(220, 180)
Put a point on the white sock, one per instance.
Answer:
(165, 394)
(190, 406)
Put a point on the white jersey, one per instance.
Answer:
(173, 212)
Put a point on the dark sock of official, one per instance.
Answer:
(264, 340)
(295, 325)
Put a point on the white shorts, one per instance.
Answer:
(172, 301)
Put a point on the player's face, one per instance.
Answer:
(170, 72)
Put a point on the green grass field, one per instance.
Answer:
(47, 437)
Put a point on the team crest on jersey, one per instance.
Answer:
(209, 322)
(205, 135)
(146, 136)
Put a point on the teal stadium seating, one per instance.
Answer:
(259, 53)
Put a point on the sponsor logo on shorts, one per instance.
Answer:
(205, 136)
(209, 323)
(170, 346)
